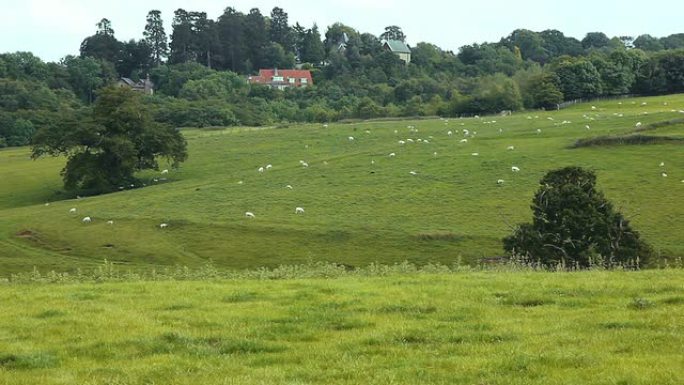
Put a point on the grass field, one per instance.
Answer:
(470, 327)
(361, 205)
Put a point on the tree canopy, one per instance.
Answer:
(106, 146)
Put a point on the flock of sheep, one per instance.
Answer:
(467, 134)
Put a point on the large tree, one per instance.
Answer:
(155, 37)
(102, 45)
(574, 225)
(279, 31)
(105, 148)
(393, 32)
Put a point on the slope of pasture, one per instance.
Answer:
(497, 328)
(361, 205)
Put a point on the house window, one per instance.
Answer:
(292, 80)
(277, 78)
(304, 80)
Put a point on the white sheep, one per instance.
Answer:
(110, 222)
(662, 164)
(163, 225)
(402, 142)
(72, 210)
(466, 132)
(515, 169)
(299, 210)
(413, 173)
(392, 155)
(510, 148)
(86, 220)
(475, 154)
(164, 172)
(464, 140)
(593, 108)
(638, 124)
(500, 182)
(269, 166)
(587, 127)
(409, 140)
(249, 215)
(351, 138)
(538, 130)
(449, 133)
(289, 187)
(664, 175)
(304, 164)
(325, 126)
(261, 169)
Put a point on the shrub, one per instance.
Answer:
(574, 225)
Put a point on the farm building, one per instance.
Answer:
(282, 79)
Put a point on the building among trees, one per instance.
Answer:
(282, 79)
(145, 85)
(399, 48)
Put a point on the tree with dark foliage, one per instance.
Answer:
(574, 225)
(105, 148)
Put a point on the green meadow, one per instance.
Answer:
(395, 327)
(361, 205)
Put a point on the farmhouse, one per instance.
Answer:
(282, 79)
(145, 86)
(399, 48)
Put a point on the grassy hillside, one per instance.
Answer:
(361, 205)
(449, 328)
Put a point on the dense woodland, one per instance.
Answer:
(199, 71)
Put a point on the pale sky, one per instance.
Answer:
(52, 29)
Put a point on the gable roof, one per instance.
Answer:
(266, 77)
(397, 46)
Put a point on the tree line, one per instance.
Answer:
(199, 70)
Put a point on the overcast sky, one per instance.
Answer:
(53, 29)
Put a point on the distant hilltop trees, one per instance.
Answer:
(199, 72)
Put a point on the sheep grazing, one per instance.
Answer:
(587, 127)
(269, 166)
(72, 210)
(664, 175)
(475, 154)
(638, 124)
(510, 148)
(164, 172)
(396, 131)
(464, 140)
(261, 169)
(372, 161)
(392, 155)
(593, 108)
(402, 142)
(426, 141)
(413, 173)
(305, 165)
(434, 153)
(86, 220)
(662, 164)
(241, 182)
(500, 182)
(47, 204)
(289, 187)
(325, 126)
(515, 169)
(110, 222)
(249, 215)
(351, 138)
(643, 103)
(163, 225)
(449, 133)
(549, 118)
(419, 140)
(538, 130)
(466, 132)
(299, 210)
(409, 140)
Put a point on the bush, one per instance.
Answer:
(574, 225)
